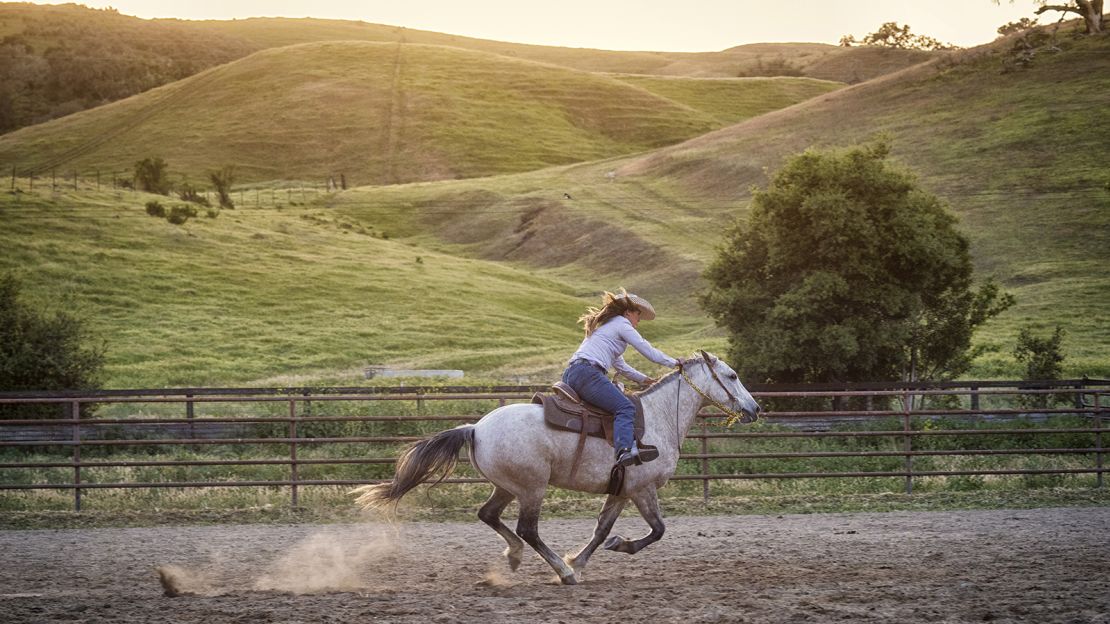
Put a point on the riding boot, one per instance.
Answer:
(628, 456)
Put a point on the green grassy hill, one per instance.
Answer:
(814, 60)
(59, 59)
(381, 113)
(278, 296)
(1019, 157)
(488, 273)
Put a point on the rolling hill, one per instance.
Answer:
(487, 273)
(1018, 156)
(60, 59)
(385, 113)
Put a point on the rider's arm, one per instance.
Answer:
(633, 337)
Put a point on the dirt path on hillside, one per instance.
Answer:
(1048, 565)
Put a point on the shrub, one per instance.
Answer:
(180, 214)
(190, 194)
(43, 350)
(151, 175)
(222, 180)
(155, 209)
(1043, 358)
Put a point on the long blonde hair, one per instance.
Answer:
(611, 306)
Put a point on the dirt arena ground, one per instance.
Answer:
(1044, 565)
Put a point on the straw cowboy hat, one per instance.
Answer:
(647, 312)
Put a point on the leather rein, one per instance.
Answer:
(733, 416)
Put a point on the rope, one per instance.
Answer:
(733, 417)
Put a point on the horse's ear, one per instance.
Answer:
(708, 358)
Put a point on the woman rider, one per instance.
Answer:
(608, 332)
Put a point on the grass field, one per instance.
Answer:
(383, 113)
(488, 273)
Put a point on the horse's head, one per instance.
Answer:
(723, 388)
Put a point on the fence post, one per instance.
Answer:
(704, 461)
(975, 398)
(76, 415)
(293, 448)
(189, 415)
(907, 441)
(1098, 439)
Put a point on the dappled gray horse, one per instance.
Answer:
(515, 450)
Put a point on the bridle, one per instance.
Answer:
(733, 416)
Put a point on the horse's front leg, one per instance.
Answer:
(605, 521)
(647, 501)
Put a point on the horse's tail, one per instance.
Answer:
(419, 462)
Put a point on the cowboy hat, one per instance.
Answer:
(647, 312)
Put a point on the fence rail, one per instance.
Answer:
(803, 412)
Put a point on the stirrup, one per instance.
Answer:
(628, 457)
(647, 453)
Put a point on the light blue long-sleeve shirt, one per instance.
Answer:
(605, 347)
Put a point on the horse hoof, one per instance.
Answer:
(613, 543)
(514, 559)
(569, 580)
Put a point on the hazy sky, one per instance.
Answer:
(661, 25)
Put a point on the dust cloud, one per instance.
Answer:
(319, 563)
(323, 563)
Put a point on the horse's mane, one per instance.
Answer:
(663, 381)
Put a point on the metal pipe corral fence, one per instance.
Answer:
(92, 424)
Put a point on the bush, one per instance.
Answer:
(1043, 358)
(180, 214)
(190, 194)
(152, 176)
(222, 180)
(155, 209)
(43, 350)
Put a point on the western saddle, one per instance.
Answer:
(563, 409)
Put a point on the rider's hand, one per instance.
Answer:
(647, 383)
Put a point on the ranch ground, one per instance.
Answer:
(1033, 565)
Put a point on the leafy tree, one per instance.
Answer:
(1089, 10)
(891, 35)
(847, 271)
(1019, 26)
(222, 180)
(151, 176)
(43, 350)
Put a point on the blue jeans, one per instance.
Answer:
(593, 386)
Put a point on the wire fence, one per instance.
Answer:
(246, 195)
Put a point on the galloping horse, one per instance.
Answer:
(520, 455)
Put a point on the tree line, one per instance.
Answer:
(63, 59)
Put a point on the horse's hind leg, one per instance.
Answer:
(527, 527)
(490, 513)
(647, 501)
(605, 521)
